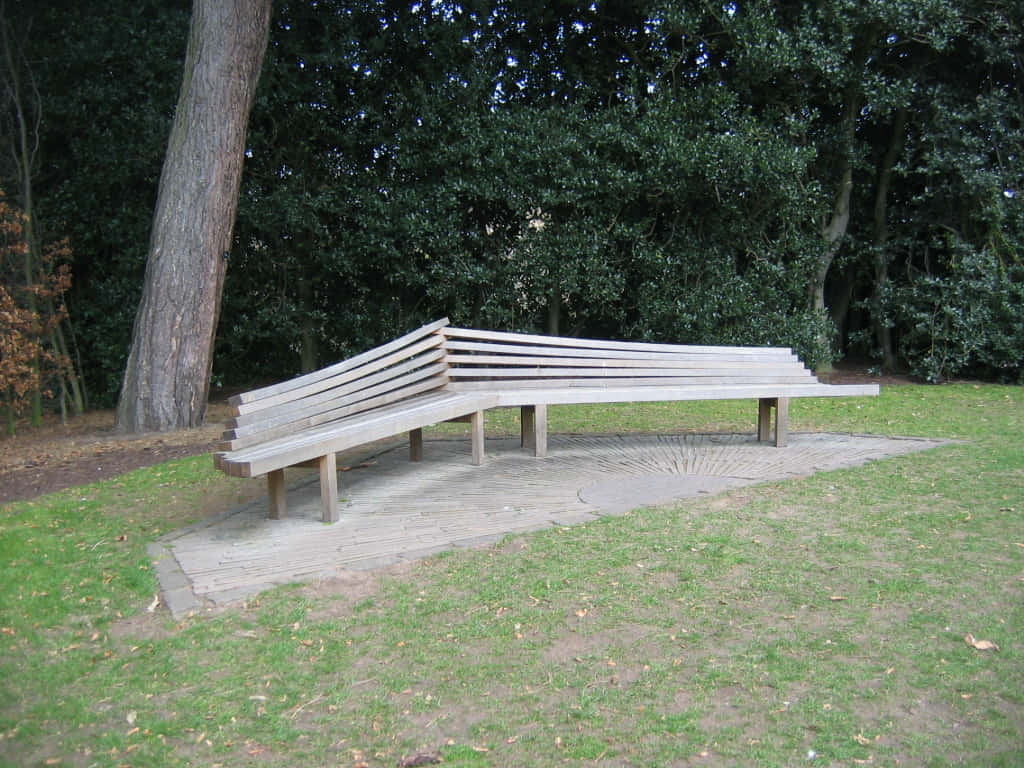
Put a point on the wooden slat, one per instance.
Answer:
(347, 364)
(511, 377)
(358, 374)
(560, 395)
(232, 440)
(562, 341)
(697, 354)
(419, 367)
(358, 430)
(532, 368)
(663, 361)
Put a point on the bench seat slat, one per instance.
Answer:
(583, 395)
(242, 438)
(739, 355)
(306, 445)
(566, 376)
(380, 364)
(663, 361)
(422, 367)
(564, 341)
(339, 367)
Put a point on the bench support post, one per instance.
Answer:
(764, 420)
(276, 494)
(415, 445)
(476, 422)
(329, 488)
(535, 429)
(781, 421)
(528, 428)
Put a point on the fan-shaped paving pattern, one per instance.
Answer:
(394, 509)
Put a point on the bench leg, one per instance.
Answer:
(540, 444)
(764, 420)
(476, 422)
(535, 429)
(276, 494)
(528, 432)
(329, 488)
(416, 445)
(781, 421)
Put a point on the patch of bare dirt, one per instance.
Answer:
(88, 448)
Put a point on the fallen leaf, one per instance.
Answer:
(861, 739)
(153, 606)
(837, 598)
(980, 645)
(581, 612)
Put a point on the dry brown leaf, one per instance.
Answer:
(980, 645)
(837, 598)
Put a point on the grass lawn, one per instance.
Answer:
(812, 622)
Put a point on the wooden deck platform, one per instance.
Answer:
(395, 510)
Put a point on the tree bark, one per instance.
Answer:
(835, 228)
(883, 331)
(167, 376)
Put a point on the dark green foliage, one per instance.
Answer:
(631, 169)
(966, 321)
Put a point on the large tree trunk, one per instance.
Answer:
(166, 382)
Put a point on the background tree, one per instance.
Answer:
(28, 363)
(635, 169)
(167, 376)
(43, 277)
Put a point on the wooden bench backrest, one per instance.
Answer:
(480, 359)
(408, 366)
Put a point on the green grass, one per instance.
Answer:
(823, 616)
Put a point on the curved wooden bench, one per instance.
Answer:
(439, 373)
